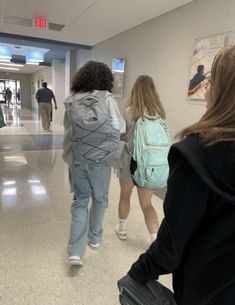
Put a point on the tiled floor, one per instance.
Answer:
(34, 225)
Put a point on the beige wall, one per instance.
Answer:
(25, 86)
(163, 49)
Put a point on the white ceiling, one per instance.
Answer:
(26, 69)
(23, 50)
(21, 68)
(86, 22)
(29, 69)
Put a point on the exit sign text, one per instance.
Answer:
(40, 23)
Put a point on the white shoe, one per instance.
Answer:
(75, 261)
(94, 246)
(122, 234)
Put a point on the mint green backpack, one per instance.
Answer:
(149, 163)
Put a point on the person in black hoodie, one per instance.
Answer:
(196, 240)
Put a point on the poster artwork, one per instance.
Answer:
(118, 68)
(204, 52)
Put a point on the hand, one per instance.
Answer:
(55, 107)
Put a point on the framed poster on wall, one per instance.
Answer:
(118, 69)
(204, 52)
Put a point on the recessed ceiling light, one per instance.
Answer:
(11, 64)
(5, 68)
(33, 63)
(5, 60)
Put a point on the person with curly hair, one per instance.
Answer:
(89, 180)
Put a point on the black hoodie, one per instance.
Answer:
(196, 240)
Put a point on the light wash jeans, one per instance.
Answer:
(88, 181)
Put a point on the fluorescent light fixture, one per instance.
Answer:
(4, 60)
(10, 64)
(32, 63)
(5, 53)
(34, 60)
(8, 68)
(34, 57)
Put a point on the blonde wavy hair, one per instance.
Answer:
(218, 123)
(145, 97)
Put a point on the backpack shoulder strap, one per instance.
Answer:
(100, 95)
(88, 96)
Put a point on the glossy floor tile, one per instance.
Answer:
(31, 142)
(34, 226)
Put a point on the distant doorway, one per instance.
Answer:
(10, 92)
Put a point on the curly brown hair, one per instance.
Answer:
(92, 76)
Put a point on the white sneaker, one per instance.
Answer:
(122, 234)
(75, 261)
(94, 246)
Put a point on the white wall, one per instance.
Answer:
(163, 49)
(24, 84)
(70, 69)
(59, 86)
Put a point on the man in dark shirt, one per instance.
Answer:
(44, 96)
(8, 96)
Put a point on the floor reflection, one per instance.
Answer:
(26, 172)
(27, 175)
(8, 194)
(16, 160)
(12, 115)
(38, 190)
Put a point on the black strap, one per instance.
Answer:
(156, 289)
(160, 292)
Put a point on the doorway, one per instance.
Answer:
(14, 87)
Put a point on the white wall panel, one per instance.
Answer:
(163, 49)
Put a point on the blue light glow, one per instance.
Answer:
(34, 57)
(5, 53)
(118, 65)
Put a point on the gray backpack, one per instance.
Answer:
(92, 135)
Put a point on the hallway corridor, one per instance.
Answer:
(35, 220)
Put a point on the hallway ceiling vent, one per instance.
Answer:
(55, 26)
(18, 21)
(29, 23)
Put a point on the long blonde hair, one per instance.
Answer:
(218, 123)
(144, 97)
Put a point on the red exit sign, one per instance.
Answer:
(40, 23)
